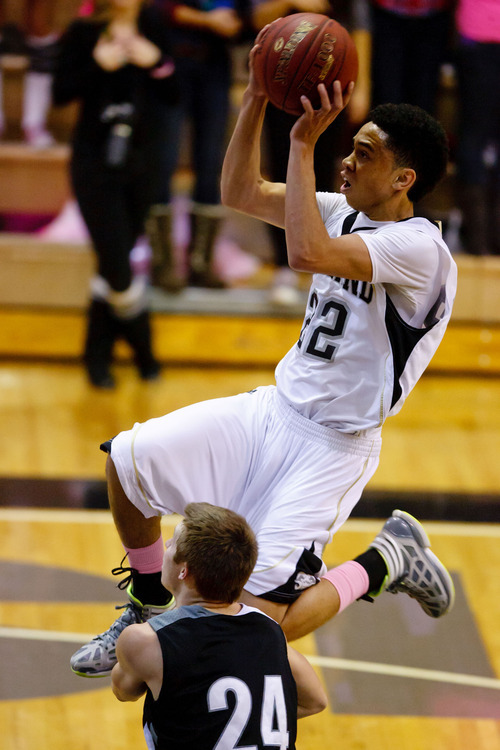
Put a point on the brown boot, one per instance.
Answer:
(473, 202)
(205, 223)
(159, 229)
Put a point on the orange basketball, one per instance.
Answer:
(299, 52)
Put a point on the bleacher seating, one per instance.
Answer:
(47, 273)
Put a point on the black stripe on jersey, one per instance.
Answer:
(404, 339)
(348, 222)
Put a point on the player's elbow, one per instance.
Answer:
(232, 196)
(126, 696)
(312, 707)
(297, 263)
(301, 258)
(321, 704)
(231, 193)
(227, 197)
(120, 697)
(118, 693)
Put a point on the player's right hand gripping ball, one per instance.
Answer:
(299, 52)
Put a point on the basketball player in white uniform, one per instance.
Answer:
(294, 458)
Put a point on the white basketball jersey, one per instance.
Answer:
(363, 345)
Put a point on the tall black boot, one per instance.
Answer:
(205, 223)
(159, 229)
(137, 333)
(473, 202)
(102, 332)
(494, 228)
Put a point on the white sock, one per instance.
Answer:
(37, 98)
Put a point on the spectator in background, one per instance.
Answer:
(201, 33)
(42, 44)
(115, 62)
(410, 41)
(38, 39)
(478, 63)
(334, 141)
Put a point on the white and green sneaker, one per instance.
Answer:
(412, 567)
(98, 657)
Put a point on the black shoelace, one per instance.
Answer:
(121, 571)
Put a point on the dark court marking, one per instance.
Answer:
(40, 668)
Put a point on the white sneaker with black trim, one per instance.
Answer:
(412, 567)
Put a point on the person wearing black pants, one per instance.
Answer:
(478, 149)
(201, 37)
(410, 43)
(116, 63)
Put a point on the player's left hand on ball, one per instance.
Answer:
(336, 104)
(313, 122)
(254, 83)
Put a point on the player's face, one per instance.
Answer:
(170, 569)
(369, 172)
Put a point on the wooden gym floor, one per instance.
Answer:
(396, 679)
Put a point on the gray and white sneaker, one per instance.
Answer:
(412, 567)
(98, 657)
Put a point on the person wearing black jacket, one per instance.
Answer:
(116, 63)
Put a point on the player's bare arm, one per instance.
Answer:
(311, 696)
(310, 248)
(139, 664)
(242, 184)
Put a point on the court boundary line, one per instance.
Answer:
(325, 662)
(415, 673)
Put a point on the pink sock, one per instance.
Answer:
(351, 581)
(147, 559)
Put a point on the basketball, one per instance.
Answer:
(300, 51)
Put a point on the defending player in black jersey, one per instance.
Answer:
(215, 672)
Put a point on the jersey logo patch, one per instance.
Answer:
(304, 581)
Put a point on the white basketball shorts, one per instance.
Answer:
(295, 481)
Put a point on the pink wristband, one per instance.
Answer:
(351, 581)
(147, 559)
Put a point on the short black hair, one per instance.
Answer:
(417, 140)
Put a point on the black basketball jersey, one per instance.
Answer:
(227, 683)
